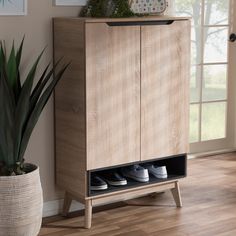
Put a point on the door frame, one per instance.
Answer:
(229, 142)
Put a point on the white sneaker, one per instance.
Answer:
(159, 172)
(136, 172)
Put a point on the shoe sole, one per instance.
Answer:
(161, 176)
(96, 188)
(117, 183)
(142, 180)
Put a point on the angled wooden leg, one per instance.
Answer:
(176, 194)
(67, 204)
(88, 214)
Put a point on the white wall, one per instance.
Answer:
(37, 27)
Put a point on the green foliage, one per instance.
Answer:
(20, 106)
(107, 8)
(122, 9)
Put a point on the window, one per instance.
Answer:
(209, 72)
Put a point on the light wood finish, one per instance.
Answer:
(100, 101)
(176, 194)
(88, 214)
(70, 123)
(209, 208)
(112, 95)
(77, 197)
(122, 196)
(130, 19)
(165, 77)
(67, 203)
(132, 193)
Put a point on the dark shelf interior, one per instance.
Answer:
(176, 169)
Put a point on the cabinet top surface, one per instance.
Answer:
(130, 19)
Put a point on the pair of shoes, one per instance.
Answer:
(141, 173)
(112, 178)
(97, 183)
(136, 172)
(159, 172)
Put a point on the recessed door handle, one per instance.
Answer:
(140, 23)
(232, 37)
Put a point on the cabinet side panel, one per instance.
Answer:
(70, 126)
(165, 75)
(113, 94)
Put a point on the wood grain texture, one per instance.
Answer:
(66, 204)
(88, 214)
(106, 92)
(112, 95)
(165, 73)
(70, 111)
(176, 195)
(130, 19)
(134, 192)
(209, 208)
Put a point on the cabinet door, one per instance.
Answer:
(113, 94)
(165, 66)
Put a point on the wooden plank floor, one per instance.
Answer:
(209, 198)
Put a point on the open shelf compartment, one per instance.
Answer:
(176, 168)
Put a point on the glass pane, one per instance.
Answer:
(195, 84)
(216, 12)
(213, 121)
(194, 123)
(196, 45)
(214, 83)
(190, 8)
(216, 41)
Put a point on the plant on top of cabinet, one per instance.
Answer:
(107, 8)
(20, 106)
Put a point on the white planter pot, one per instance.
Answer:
(21, 204)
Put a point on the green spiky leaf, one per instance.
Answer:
(20, 106)
(23, 105)
(7, 108)
(38, 109)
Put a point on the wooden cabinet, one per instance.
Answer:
(164, 89)
(123, 101)
(112, 95)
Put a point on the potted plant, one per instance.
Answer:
(107, 8)
(20, 107)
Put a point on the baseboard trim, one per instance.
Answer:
(211, 153)
(53, 208)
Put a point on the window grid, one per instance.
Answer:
(201, 64)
